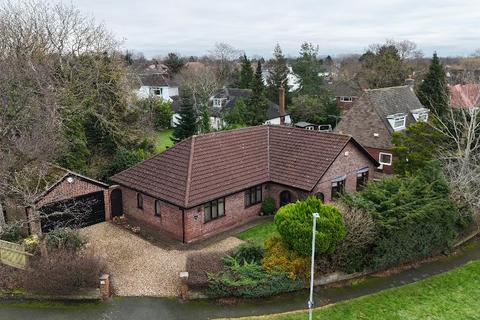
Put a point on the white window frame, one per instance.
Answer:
(395, 119)
(153, 89)
(423, 114)
(385, 154)
(217, 102)
(346, 99)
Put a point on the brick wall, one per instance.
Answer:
(169, 222)
(375, 152)
(344, 165)
(235, 215)
(66, 190)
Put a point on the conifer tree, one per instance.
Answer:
(187, 125)
(246, 73)
(205, 121)
(256, 111)
(278, 75)
(433, 92)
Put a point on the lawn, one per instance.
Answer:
(163, 140)
(451, 295)
(258, 234)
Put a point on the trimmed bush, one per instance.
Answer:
(200, 264)
(279, 258)
(65, 238)
(63, 272)
(249, 280)
(268, 206)
(249, 252)
(414, 217)
(294, 223)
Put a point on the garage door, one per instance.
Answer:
(76, 212)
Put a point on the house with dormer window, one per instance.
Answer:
(377, 114)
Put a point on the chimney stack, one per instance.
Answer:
(281, 103)
(410, 82)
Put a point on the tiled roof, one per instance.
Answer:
(367, 120)
(234, 94)
(346, 88)
(465, 95)
(205, 167)
(153, 80)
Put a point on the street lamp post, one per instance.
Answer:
(312, 267)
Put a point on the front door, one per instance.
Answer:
(285, 198)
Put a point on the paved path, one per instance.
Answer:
(139, 268)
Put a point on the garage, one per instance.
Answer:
(77, 212)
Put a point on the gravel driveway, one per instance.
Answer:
(139, 268)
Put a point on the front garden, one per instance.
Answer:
(60, 265)
(395, 221)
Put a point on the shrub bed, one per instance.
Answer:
(200, 264)
(414, 217)
(250, 280)
(63, 272)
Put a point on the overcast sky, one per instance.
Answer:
(191, 27)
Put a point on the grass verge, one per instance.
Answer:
(448, 296)
(163, 141)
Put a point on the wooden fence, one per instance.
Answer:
(13, 254)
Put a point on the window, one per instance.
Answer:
(139, 201)
(362, 178)
(338, 187)
(214, 209)
(217, 102)
(399, 122)
(423, 117)
(253, 196)
(158, 208)
(346, 99)
(156, 91)
(385, 158)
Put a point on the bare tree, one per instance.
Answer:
(201, 81)
(224, 57)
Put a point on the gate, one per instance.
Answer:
(13, 255)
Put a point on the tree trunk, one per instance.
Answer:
(2, 218)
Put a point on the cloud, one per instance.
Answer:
(157, 27)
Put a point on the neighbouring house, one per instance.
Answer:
(83, 201)
(293, 82)
(154, 84)
(376, 115)
(311, 126)
(225, 99)
(346, 93)
(209, 183)
(465, 96)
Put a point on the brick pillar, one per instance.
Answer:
(108, 206)
(105, 286)
(184, 285)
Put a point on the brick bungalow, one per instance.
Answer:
(209, 183)
(377, 114)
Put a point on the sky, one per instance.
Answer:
(192, 27)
